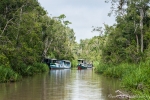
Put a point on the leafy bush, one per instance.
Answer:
(25, 70)
(40, 67)
(101, 67)
(74, 63)
(134, 77)
(8, 75)
(32, 69)
(4, 60)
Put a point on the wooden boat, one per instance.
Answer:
(82, 64)
(58, 64)
(55, 64)
(66, 64)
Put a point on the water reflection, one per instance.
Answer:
(61, 85)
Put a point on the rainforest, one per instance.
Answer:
(122, 51)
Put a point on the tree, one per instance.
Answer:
(140, 7)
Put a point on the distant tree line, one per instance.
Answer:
(126, 41)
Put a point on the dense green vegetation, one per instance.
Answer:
(28, 35)
(123, 49)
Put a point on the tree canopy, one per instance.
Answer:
(28, 34)
(125, 41)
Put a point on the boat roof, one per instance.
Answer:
(80, 59)
(66, 60)
(53, 59)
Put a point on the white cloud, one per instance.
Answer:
(83, 14)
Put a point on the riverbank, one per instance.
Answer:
(65, 84)
(134, 77)
(7, 74)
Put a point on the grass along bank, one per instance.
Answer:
(7, 74)
(135, 78)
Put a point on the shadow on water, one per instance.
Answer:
(64, 84)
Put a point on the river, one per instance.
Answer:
(64, 84)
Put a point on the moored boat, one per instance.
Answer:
(58, 64)
(66, 64)
(55, 64)
(82, 64)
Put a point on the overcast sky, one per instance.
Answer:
(83, 14)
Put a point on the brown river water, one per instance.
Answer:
(64, 84)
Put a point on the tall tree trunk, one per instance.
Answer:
(141, 26)
(18, 34)
(47, 44)
(137, 39)
(137, 43)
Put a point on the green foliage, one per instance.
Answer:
(147, 53)
(30, 70)
(28, 35)
(4, 60)
(96, 64)
(101, 67)
(40, 67)
(8, 75)
(139, 76)
(134, 77)
(127, 40)
(90, 49)
(25, 70)
(74, 63)
(123, 50)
